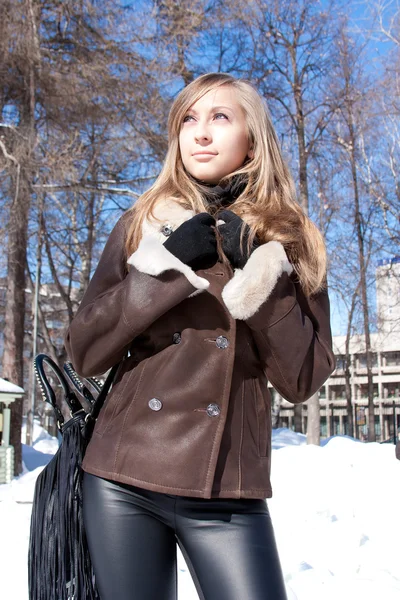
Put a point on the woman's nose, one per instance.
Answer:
(202, 132)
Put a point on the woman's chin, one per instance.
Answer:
(207, 180)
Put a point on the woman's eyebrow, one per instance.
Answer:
(212, 109)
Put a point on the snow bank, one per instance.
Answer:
(334, 513)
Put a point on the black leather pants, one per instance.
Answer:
(228, 544)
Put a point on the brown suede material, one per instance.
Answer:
(180, 449)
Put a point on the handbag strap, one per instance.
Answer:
(47, 390)
(72, 400)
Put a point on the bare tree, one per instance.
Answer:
(58, 64)
(18, 149)
(352, 125)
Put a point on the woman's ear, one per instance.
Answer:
(250, 153)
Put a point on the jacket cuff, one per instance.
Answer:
(251, 286)
(153, 258)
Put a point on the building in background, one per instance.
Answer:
(385, 345)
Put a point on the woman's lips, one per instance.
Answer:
(204, 152)
(203, 155)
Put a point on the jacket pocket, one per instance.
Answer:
(262, 419)
(116, 395)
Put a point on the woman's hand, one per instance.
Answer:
(237, 253)
(194, 242)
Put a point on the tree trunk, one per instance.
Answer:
(363, 281)
(313, 420)
(347, 372)
(88, 251)
(297, 418)
(313, 406)
(349, 400)
(14, 322)
(15, 308)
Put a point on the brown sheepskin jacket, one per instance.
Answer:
(189, 413)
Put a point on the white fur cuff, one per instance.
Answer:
(153, 258)
(250, 287)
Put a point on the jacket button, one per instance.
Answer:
(176, 338)
(221, 342)
(155, 404)
(166, 230)
(213, 410)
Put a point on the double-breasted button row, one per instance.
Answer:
(212, 410)
(221, 342)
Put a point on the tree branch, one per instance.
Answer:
(83, 187)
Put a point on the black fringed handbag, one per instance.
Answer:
(59, 565)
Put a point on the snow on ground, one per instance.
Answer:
(334, 514)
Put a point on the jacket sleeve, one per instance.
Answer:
(292, 332)
(120, 304)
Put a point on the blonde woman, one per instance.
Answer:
(210, 286)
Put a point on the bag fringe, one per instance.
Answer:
(59, 565)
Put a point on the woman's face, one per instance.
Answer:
(213, 140)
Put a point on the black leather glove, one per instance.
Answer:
(236, 253)
(194, 242)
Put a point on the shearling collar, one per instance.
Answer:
(246, 291)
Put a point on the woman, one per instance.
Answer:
(214, 284)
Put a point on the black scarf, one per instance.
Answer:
(220, 197)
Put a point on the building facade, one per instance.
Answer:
(332, 396)
(385, 346)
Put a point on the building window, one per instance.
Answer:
(361, 360)
(392, 429)
(340, 362)
(284, 422)
(337, 392)
(363, 390)
(391, 390)
(392, 359)
(336, 425)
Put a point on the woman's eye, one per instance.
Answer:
(187, 118)
(220, 116)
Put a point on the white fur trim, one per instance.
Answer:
(166, 213)
(153, 258)
(250, 287)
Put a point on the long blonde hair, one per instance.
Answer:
(268, 202)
